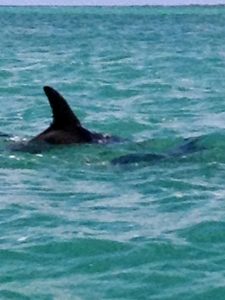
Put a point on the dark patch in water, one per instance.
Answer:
(189, 146)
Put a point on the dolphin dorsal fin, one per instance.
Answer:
(63, 116)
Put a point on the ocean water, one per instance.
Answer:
(75, 226)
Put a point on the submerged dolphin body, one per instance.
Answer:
(66, 127)
(189, 146)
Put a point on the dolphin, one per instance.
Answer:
(66, 128)
(189, 146)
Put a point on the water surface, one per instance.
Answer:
(73, 226)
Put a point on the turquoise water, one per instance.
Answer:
(73, 226)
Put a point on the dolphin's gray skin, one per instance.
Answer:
(4, 135)
(135, 158)
(66, 128)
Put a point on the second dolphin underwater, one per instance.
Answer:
(66, 129)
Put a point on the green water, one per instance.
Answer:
(74, 226)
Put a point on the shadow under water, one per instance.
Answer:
(189, 146)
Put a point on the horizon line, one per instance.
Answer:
(112, 5)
